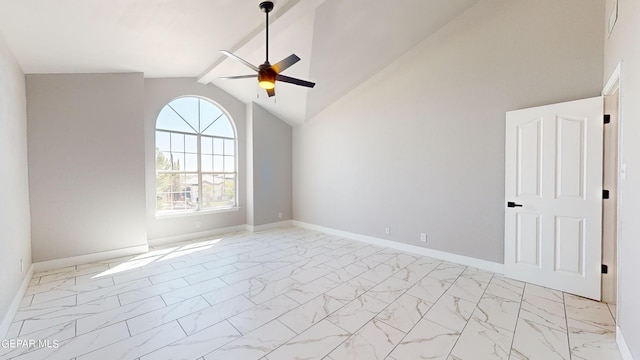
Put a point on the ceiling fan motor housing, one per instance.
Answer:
(266, 6)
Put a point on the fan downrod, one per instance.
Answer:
(266, 6)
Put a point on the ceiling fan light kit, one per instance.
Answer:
(266, 77)
(268, 74)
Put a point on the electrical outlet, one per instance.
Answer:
(423, 237)
(387, 230)
(280, 215)
(198, 224)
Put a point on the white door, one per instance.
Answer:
(553, 196)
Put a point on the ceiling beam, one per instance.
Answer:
(279, 20)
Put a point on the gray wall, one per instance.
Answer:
(623, 45)
(159, 92)
(420, 147)
(15, 228)
(86, 163)
(271, 167)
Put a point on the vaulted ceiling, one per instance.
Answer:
(341, 43)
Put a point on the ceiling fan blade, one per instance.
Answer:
(233, 56)
(239, 77)
(294, 81)
(285, 63)
(271, 92)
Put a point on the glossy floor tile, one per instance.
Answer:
(300, 294)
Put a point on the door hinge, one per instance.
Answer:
(607, 118)
(605, 194)
(605, 269)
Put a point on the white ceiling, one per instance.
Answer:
(341, 43)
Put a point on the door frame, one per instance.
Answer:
(612, 85)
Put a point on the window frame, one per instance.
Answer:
(200, 173)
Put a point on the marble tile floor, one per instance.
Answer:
(300, 294)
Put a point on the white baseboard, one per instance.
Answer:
(196, 235)
(460, 259)
(275, 225)
(88, 258)
(15, 305)
(622, 345)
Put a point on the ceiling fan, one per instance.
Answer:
(267, 73)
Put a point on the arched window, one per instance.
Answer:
(195, 157)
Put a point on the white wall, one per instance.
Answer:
(420, 147)
(86, 163)
(623, 45)
(15, 228)
(271, 167)
(159, 92)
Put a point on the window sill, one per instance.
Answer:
(195, 213)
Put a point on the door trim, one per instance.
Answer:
(613, 85)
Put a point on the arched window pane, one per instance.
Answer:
(187, 109)
(208, 114)
(221, 127)
(169, 120)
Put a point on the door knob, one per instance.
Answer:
(512, 204)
